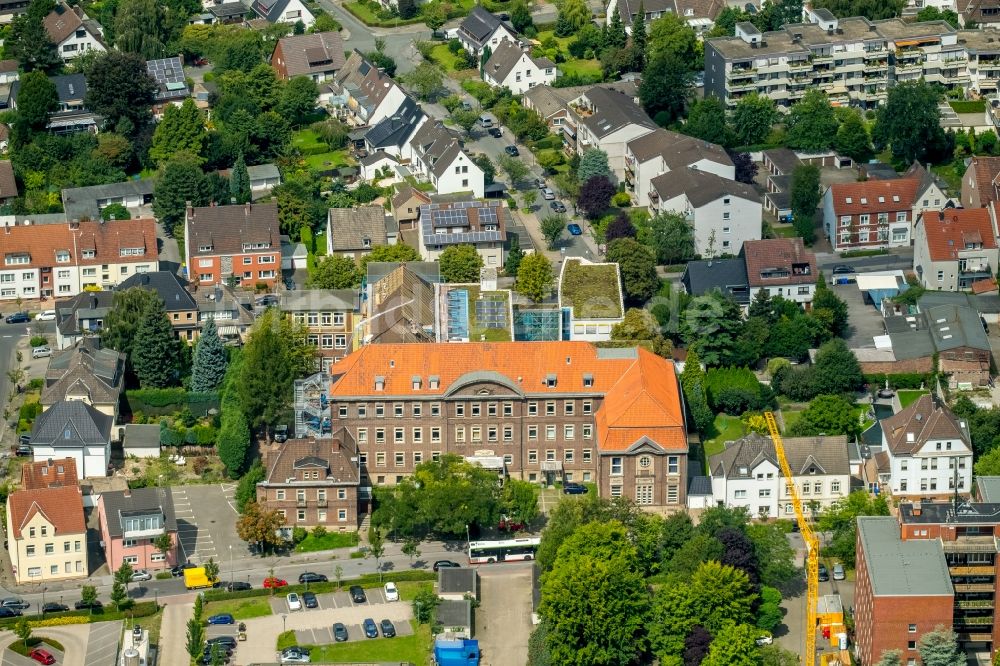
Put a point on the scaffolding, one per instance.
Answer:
(312, 407)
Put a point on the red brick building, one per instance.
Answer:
(242, 242)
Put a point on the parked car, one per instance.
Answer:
(8, 612)
(46, 315)
(294, 603)
(236, 586)
(311, 577)
(42, 656)
(339, 632)
(371, 630)
(388, 629)
(540, 183)
(570, 488)
(208, 660)
(281, 433)
(41, 352)
(23, 450)
(221, 618)
(838, 572)
(295, 655)
(548, 194)
(274, 582)
(495, 132)
(843, 269)
(218, 647)
(52, 607)
(446, 564)
(558, 206)
(18, 318)
(16, 603)
(178, 570)
(309, 600)
(141, 575)
(512, 151)
(358, 594)
(94, 605)
(766, 639)
(823, 574)
(574, 229)
(227, 642)
(391, 592)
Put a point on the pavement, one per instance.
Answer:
(206, 523)
(864, 321)
(503, 618)
(173, 633)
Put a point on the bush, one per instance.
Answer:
(622, 200)
(905, 380)
(319, 532)
(736, 390)
(163, 402)
(39, 340)
(298, 534)
(455, 46)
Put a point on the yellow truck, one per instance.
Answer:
(196, 578)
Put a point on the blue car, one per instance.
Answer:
(371, 630)
(221, 618)
(574, 229)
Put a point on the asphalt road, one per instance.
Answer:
(900, 259)
(9, 336)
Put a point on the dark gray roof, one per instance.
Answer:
(85, 305)
(908, 344)
(72, 424)
(457, 580)
(806, 456)
(394, 130)
(81, 202)
(727, 275)
(141, 436)
(614, 110)
(699, 485)
(700, 187)
(470, 216)
(505, 58)
(954, 326)
(352, 227)
(451, 613)
(169, 76)
(319, 299)
(988, 488)
(263, 172)
(946, 513)
(480, 24)
(229, 10)
(270, 9)
(784, 159)
(84, 370)
(138, 500)
(319, 52)
(226, 228)
(166, 285)
(915, 567)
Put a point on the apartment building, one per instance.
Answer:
(853, 60)
(329, 318)
(549, 410)
(131, 523)
(64, 258)
(663, 151)
(238, 242)
(954, 248)
(48, 534)
(609, 120)
(313, 482)
(481, 224)
(982, 47)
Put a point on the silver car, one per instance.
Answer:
(141, 575)
(838, 572)
(548, 194)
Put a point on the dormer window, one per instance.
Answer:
(62, 256)
(366, 242)
(849, 200)
(434, 382)
(588, 380)
(89, 254)
(864, 201)
(380, 383)
(16, 259)
(204, 248)
(550, 380)
(416, 382)
(132, 252)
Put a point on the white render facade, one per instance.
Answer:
(931, 470)
(613, 144)
(722, 225)
(645, 171)
(525, 75)
(66, 281)
(461, 175)
(77, 44)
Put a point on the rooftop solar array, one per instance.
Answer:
(168, 73)
(458, 314)
(441, 216)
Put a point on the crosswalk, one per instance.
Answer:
(196, 542)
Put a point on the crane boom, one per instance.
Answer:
(811, 541)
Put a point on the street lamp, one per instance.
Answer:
(232, 572)
(283, 618)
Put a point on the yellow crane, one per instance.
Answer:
(809, 536)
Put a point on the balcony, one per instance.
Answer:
(972, 604)
(799, 66)
(971, 544)
(323, 503)
(909, 67)
(741, 72)
(974, 587)
(982, 570)
(876, 55)
(975, 638)
(821, 57)
(300, 503)
(974, 621)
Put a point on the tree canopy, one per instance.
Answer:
(910, 124)
(460, 263)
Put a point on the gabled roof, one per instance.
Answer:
(312, 53)
(729, 276)
(807, 456)
(505, 58)
(352, 227)
(49, 474)
(545, 101)
(226, 228)
(778, 261)
(465, 222)
(165, 284)
(627, 9)
(61, 507)
(784, 160)
(874, 196)
(699, 9)
(169, 76)
(69, 88)
(612, 111)
(328, 453)
(480, 24)
(986, 172)
(138, 501)
(404, 300)
(397, 128)
(953, 230)
(63, 21)
(8, 184)
(700, 187)
(85, 305)
(71, 424)
(229, 10)
(908, 430)
(955, 326)
(81, 370)
(676, 150)
(407, 192)
(106, 240)
(83, 202)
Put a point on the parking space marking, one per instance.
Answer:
(102, 644)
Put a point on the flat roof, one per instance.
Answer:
(902, 568)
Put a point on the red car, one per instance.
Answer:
(274, 582)
(42, 656)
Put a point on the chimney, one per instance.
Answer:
(917, 508)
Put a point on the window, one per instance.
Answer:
(532, 432)
(616, 466)
(568, 431)
(491, 433)
(912, 629)
(764, 492)
(568, 408)
(508, 409)
(644, 494)
(459, 409)
(532, 456)
(66, 546)
(362, 411)
(740, 494)
(459, 434)
(476, 409)
(568, 456)
(400, 459)
(379, 410)
(417, 409)
(30, 551)
(435, 435)
(418, 435)
(131, 559)
(587, 430)
(398, 436)
(532, 409)
(508, 433)
(397, 410)
(380, 459)
(673, 494)
(491, 409)
(476, 433)
(587, 406)
(280, 494)
(550, 432)
(835, 487)
(550, 408)
(155, 557)
(435, 409)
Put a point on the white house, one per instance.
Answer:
(74, 429)
(954, 248)
(438, 157)
(781, 266)
(609, 120)
(284, 11)
(723, 213)
(747, 474)
(481, 29)
(662, 151)
(927, 448)
(73, 32)
(592, 314)
(513, 66)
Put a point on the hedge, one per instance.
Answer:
(903, 380)
(365, 580)
(735, 390)
(162, 402)
(197, 435)
(141, 609)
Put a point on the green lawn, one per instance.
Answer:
(241, 609)
(907, 398)
(415, 649)
(328, 541)
(784, 231)
(971, 106)
(305, 139)
(563, 42)
(444, 57)
(330, 160)
(581, 67)
(726, 428)
(408, 589)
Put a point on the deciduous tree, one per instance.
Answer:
(246, 489)
(514, 256)
(672, 238)
(259, 526)
(37, 100)
(841, 517)
(853, 139)
(460, 263)
(298, 99)
(670, 34)
(426, 80)
(334, 272)
(534, 277)
(595, 196)
(519, 501)
(707, 121)
(210, 360)
(29, 41)
(666, 85)
(573, 15)
(620, 227)
(637, 267)
(910, 123)
(120, 89)
(515, 169)
(812, 124)
(181, 180)
(752, 119)
(734, 645)
(139, 28)
(520, 16)
(552, 228)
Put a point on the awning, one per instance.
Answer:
(228, 330)
(551, 465)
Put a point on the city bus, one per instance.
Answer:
(506, 550)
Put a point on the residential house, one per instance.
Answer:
(400, 304)
(49, 474)
(8, 72)
(284, 11)
(553, 410)
(73, 32)
(63, 259)
(981, 13)
(231, 311)
(8, 184)
(81, 316)
(779, 163)
(954, 248)
(329, 318)
(728, 276)
(482, 224)
(663, 151)
(313, 482)
(87, 372)
(74, 429)
(439, 158)
(700, 15)
(131, 523)
(48, 534)
(239, 241)
(70, 115)
(590, 294)
(929, 451)
(372, 164)
(747, 474)
(86, 203)
(724, 214)
(512, 66)
(319, 56)
(406, 206)
(481, 29)
(178, 304)
(981, 182)
(609, 120)
(782, 266)
(171, 84)
(353, 232)
(229, 13)
(392, 134)
(365, 93)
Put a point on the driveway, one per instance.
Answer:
(503, 619)
(102, 644)
(173, 632)
(206, 524)
(864, 321)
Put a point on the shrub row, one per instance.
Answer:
(161, 402)
(198, 435)
(141, 609)
(903, 380)
(366, 580)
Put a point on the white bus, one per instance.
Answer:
(506, 550)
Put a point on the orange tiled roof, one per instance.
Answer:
(49, 474)
(950, 231)
(874, 196)
(62, 507)
(640, 392)
(106, 239)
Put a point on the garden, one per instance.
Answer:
(322, 150)
(407, 12)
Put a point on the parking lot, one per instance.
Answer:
(206, 523)
(864, 321)
(330, 600)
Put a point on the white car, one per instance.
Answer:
(41, 352)
(141, 575)
(766, 639)
(294, 603)
(46, 315)
(548, 194)
(391, 593)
